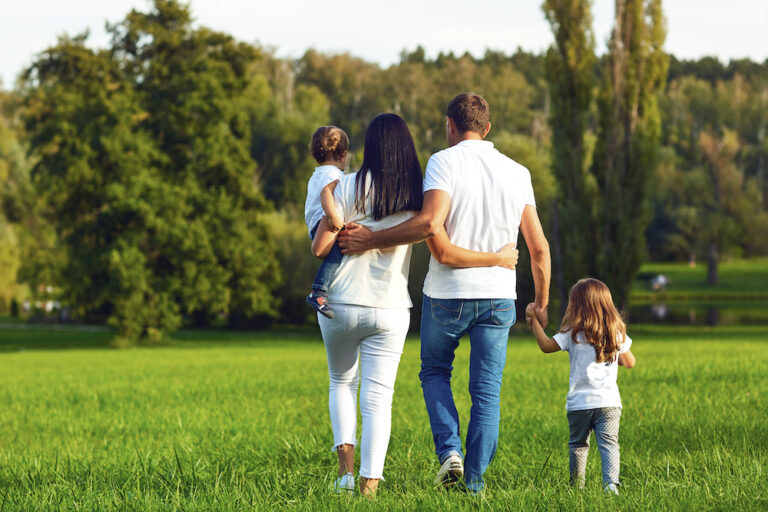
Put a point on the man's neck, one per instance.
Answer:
(470, 136)
(467, 136)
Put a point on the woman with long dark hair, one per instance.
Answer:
(370, 297)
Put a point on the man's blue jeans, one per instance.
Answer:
(443, 323)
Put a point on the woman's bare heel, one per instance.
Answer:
(368, 487)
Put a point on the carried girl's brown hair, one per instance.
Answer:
(591, 312)
(329, 143)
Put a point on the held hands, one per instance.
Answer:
(530, 316)
(536, 313)
(509, 255)
(356, 238)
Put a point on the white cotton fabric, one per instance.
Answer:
(489, 192)
(313, 208)
(377, 278)
(591, 385)
(366, 342)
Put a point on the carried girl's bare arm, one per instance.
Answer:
(324, 239)
(335, 222)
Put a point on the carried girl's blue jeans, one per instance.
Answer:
(443, 323)
(328, 268)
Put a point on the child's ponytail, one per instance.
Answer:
(329, 143)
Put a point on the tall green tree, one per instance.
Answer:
(143, 157)
(195, 86)
(571, 78)
(13, 174)
(93, 170)
(718, 207)
(29, 249)
(628, 140)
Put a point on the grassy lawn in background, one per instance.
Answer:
(219, 420)
(739, 279)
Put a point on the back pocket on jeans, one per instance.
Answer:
(503, 312)
(446, 311)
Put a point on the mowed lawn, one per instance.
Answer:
(738, 279)
(239, 421)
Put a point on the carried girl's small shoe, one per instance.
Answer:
(345, 483)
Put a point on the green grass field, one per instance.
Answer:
(739, 279)
(239, 421)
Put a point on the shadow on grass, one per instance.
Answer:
(19, 337)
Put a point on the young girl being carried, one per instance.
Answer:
(594, 335)
(329, 147)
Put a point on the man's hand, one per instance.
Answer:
(355, 239)
(509, 256)
(538, 247)
(540, 312)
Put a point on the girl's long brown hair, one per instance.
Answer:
(591, 312)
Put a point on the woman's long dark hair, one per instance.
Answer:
(390, 158)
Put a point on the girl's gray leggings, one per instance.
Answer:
(605, 423)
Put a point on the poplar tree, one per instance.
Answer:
(571, 76)
(628, 140)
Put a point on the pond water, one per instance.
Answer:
(699, 313)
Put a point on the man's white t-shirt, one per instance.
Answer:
(313, 208)
(376, 278)
(592, 385)
(488, 194)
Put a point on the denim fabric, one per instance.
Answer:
(443, 323)
(328, 267)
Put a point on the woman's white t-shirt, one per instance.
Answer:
(592, 385)
(376, 278)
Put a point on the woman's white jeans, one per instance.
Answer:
(377, 335)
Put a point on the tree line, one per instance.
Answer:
(161, 180)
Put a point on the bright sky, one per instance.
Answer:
(379, 31)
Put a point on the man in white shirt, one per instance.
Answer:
(480, 199)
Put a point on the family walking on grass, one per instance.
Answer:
(469, 208)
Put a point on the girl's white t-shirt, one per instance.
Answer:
(376, 278)
(313, 208)
(592, 385)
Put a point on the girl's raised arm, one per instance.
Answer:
(546, 344)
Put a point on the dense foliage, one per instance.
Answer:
(602, 210)
(161, 180)
(142, 159)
